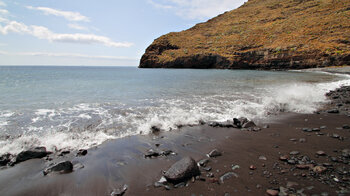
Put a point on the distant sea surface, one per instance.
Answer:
(81, 107)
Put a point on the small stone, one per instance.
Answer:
(228, 175)
(266, 126)
(302, 140)
(307, 130)
(252, 167)
(321, 153)
(203, 162)
(155, 130)
(62, 167)
(334, 135)
(293, 139)
(234, 167)
(258, 186)
(294, 153)
(319, 169)
(213, 180)
(82, 152)
(304, 166)
(249, 124)
(346, 126)
(206, 168)
(262, 158)
(184, 169)
(284, 158)
(291, 162)
(214, 153)
(272, 192)
(120, 192)
(180, 185)
(291, 184)
(333, 111)
(316, 129)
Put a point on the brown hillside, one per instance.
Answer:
(261, 34)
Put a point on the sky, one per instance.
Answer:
(94, 33)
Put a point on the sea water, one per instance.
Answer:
(81, 107)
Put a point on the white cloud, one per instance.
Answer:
(4, 12)
(41, 32)
(71, 16)
(159, 5)
(77, 27)
(198, 9)
(68, 55)
(2, 4)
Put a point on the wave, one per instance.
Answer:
(87, 125)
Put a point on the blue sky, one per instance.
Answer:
(90, 32)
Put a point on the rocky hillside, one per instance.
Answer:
(261, 34)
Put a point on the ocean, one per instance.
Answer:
(80, 107)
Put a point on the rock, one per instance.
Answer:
(203, 162)
(272, 192)
(213, 124)
(321, 153)
(252, 167)
(82, 152)
(316, 129)
(334, 135)
(226, 124)
(346, 127)
(5, 158)
(234, 167)
(304, 166)
(167, 153)
(345, 153)
(228, 175)
(302, 140)
(294, 153)
(291, 162)
(155, 130)
(64, 152)
(206, 168)
(307, 130)
(249, 124)
(284, 158)
(243, 120)
(237, 123)
(62, 167)
(180, 185)
(35, 153)
(151, 153)
(319, 169)
(214, 153)
(182, 170)
(120, 191)
(266, 126)
(333, 111)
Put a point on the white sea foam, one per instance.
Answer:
(86, 125)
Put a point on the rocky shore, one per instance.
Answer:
(293, 154)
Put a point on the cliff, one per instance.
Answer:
(261, 34)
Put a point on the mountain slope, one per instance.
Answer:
(261, 34)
